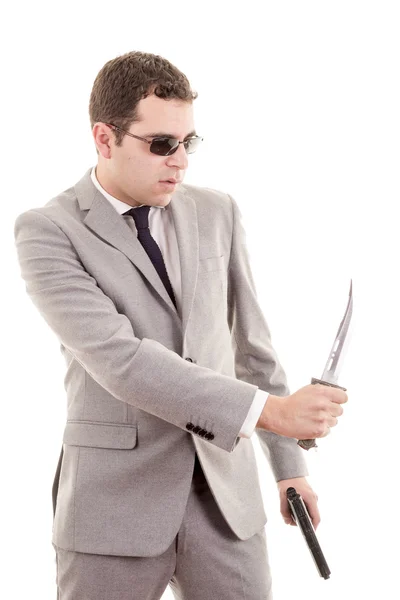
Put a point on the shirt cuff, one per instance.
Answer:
(260, 398)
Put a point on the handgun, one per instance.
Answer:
(303, 520)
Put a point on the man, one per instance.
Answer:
(170, 368)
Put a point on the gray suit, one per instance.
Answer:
(147, 387)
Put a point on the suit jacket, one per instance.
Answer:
(147, 387)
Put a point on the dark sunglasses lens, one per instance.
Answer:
(164, 146)
(167, 146)
(192, 144)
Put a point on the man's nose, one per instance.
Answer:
(179, 158)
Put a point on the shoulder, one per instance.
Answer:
(208, 198)
(62, 206)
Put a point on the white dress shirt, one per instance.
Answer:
(162, 229)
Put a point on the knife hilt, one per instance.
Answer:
(307, 444)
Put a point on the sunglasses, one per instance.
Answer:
(165, 146)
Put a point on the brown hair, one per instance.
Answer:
(123, 81)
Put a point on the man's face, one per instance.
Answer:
(131, 172)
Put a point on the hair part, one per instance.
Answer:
(123, 81)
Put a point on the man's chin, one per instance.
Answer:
(163, 197)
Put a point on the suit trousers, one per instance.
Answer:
(206, 561)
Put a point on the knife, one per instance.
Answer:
(334, 363)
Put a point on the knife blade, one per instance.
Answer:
(334, 363)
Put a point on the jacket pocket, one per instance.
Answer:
(94, 434)
(212, 263)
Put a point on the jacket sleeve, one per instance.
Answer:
(255, 359)
(102, 340)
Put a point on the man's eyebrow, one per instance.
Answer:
(169, 135)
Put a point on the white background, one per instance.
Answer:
(299, 108)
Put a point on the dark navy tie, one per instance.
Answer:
(141, 218)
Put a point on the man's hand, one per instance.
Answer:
(306, 492)
(306, 414)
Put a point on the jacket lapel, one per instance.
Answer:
(104, 220)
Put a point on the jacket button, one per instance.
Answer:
(202, 432)
(196, 429)
(189, 426)
(189, 359)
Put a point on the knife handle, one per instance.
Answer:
(307, 444)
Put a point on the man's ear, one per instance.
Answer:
(102, 135)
